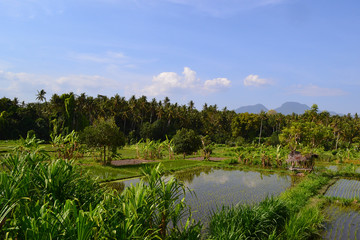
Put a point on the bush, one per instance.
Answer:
(186, 141)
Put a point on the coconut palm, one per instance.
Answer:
(41, 95)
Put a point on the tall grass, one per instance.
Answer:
(306, 224)
(262, 221)
(290, 216)
(42, 198)
(298, 196)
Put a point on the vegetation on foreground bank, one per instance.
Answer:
(285, 217)
(42, 198)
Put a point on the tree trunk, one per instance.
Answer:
(104, 155)
(260, 131)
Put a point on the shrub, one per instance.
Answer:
(186, 141)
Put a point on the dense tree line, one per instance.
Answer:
(139, 118)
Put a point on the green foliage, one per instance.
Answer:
(186, 141)
(170, 147)
(103, 134)
(273, 140)
(36, 195)
(297, 197)
(30, 144)
(307, 133)
(231, 161)
(207, 147)
(306, 224)
(149, 149)
(287, 217)
(264, 155)
(246, 125)
(140, 118)
(153, 130)
(68, 146)
(261, 221)
(43, 199)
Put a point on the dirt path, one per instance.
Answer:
(215, 159)
(130, 162)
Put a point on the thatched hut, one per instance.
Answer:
(301, 162)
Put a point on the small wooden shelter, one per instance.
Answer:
(301, 162)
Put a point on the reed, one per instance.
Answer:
(260, 221)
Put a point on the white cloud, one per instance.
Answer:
(254, 80)
(24, 85)
(216, 84)
(316, 91)
(170, 82)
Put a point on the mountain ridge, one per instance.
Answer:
(286, 108)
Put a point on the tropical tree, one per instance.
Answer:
(186, 141)
(103, 134)
(41, 95)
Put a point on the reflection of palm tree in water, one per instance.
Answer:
(189, 175)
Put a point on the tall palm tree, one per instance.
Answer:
(41, 95)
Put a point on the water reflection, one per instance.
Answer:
(122, 184)
(214, 188)
(341, 223)
(339, 168)
(189, 174)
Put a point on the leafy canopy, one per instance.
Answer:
(103, 133)
(186, 141)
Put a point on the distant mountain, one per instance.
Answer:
(287, 109)
(252, 109)
(292, 107)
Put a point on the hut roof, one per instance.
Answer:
(297, 157)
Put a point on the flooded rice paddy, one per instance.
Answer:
(214, 188)
(344, 188)
(219, 187)
(342, 223)
(339, 168)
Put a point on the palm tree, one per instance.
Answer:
(153, 107)
(41, 95)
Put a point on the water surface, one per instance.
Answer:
(219, 188)
(342, 223)
(213, 188)
(344, 188)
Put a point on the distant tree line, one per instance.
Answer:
(139, 118)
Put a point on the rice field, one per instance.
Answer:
(213, 188)
(345, 188)
(105, 173)
(342, 223)
(216, 188)
(338, 168)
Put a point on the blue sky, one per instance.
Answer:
(226, 52)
